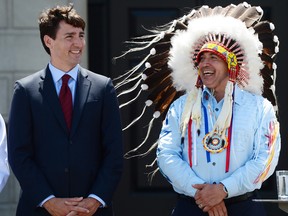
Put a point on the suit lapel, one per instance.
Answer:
(81, 95)
(49, 93)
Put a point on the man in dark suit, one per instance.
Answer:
(65, 137)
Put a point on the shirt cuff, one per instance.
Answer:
(99, 199)
(48, 198)
(230, 186)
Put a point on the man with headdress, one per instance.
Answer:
(221, 140)
(211, 75)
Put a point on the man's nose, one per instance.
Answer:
(78, 41)
(205, 62)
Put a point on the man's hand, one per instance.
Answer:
(208, 195)
(89, 203)
(58, 206)
(218, 210)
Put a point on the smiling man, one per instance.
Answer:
(228, 150)
(214, 73)
(220, 141)
(65, 136)
(210, 75)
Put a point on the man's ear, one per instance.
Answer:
(48, 41)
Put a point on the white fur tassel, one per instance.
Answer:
(196, 112)
(224, 118)
(187, 111)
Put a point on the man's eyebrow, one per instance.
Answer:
(74, 33)
(214, 54)
(70, 33)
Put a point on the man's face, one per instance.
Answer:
(67, 48)
(213, 71)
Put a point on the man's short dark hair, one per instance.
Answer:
(49, 21)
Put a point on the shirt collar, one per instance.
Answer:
(237, 94)
(206, 94)
(57, 74)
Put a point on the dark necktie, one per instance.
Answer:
(65, 98)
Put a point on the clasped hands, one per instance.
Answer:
(72, 206)
(210, 198)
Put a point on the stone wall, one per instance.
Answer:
(21, 53)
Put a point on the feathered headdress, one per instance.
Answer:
(170, 68)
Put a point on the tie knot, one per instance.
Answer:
(65, 78)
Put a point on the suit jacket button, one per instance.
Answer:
(66, 170)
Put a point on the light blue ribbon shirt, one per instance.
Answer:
(255, 146)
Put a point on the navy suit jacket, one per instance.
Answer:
(47, 159)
